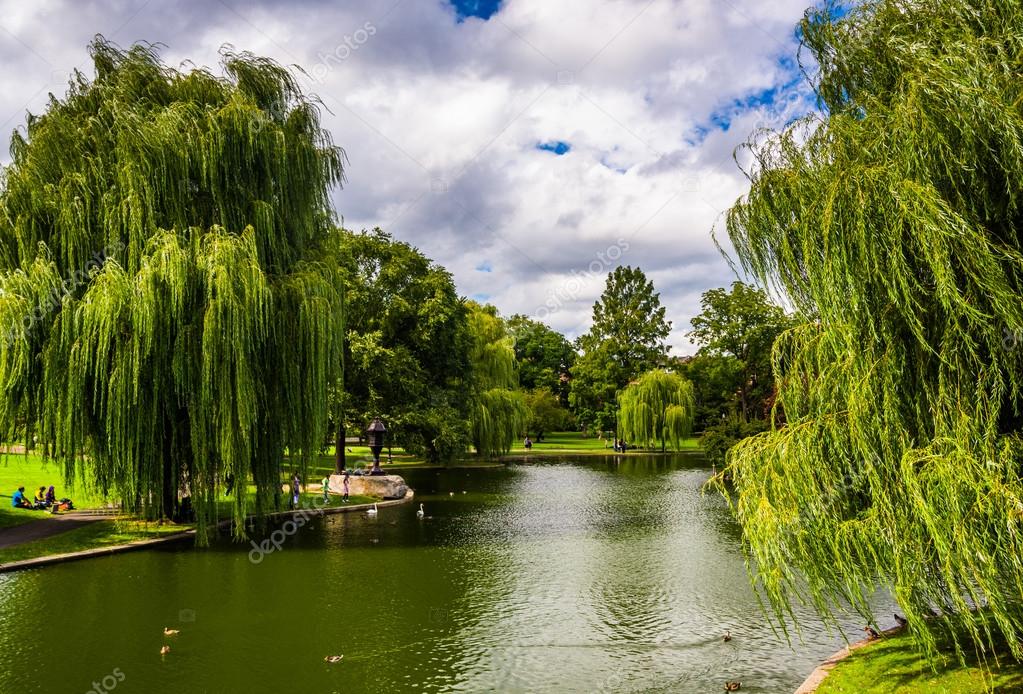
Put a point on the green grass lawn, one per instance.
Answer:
(32, 471)
(360, 456)
(101, 533)
(894, 666)
(577, 442)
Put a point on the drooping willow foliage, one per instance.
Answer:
(170, 299)
(657, 407)
(896, 220)
(499, 413)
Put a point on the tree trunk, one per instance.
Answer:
(339, 449)
(169, 490)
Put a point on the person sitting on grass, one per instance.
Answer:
(40, 500)
(18, 500)
(51, 496)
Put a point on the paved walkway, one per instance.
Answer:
(43, 527)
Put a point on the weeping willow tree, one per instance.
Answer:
(658, 406)
(169, 292)
(895, 220)
(499, 413)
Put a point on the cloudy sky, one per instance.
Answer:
(529, 146)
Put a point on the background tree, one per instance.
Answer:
(544, 356)
(169, 289)
(740, 325)
(406, 346)
(895, 217)
(658, 406)
(715, 379)
(626, 339)
(545, 413)
(498, 414)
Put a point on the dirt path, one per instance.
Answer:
(43, 527)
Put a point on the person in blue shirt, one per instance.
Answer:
(19, 500)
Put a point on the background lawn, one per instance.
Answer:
(576, 441)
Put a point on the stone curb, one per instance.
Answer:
(184, 535)
(815, 678)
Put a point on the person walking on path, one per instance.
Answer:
(325, 482)
(344, 484)
(296, 483)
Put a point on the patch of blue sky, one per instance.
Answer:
(555, 146)
(482, 9)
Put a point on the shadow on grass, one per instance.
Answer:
(896, 665)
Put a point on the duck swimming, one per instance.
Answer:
(165, 650)
(167, 631)
(731, 686)
(334, 658)
(727, 637)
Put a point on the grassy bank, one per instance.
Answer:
(575, 442)
(32, 472)
(894, 666)
(102, 533)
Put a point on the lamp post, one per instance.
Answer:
(375, 433)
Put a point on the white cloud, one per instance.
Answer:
(440, 121)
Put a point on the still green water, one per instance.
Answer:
(563, 576)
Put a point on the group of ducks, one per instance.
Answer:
(167, 631)
(873, 633)
(730, 685)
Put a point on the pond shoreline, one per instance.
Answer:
(815, 678)
(186, 535)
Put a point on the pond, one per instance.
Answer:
(584, 575)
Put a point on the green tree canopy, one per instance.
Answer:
(406, 347)
(658, 406)
(169, 290)
(546, 413)
(544, 356)
(896, 218)
(626, 339)
(741, 325)
(716, 379)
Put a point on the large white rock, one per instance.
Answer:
(383, 486)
